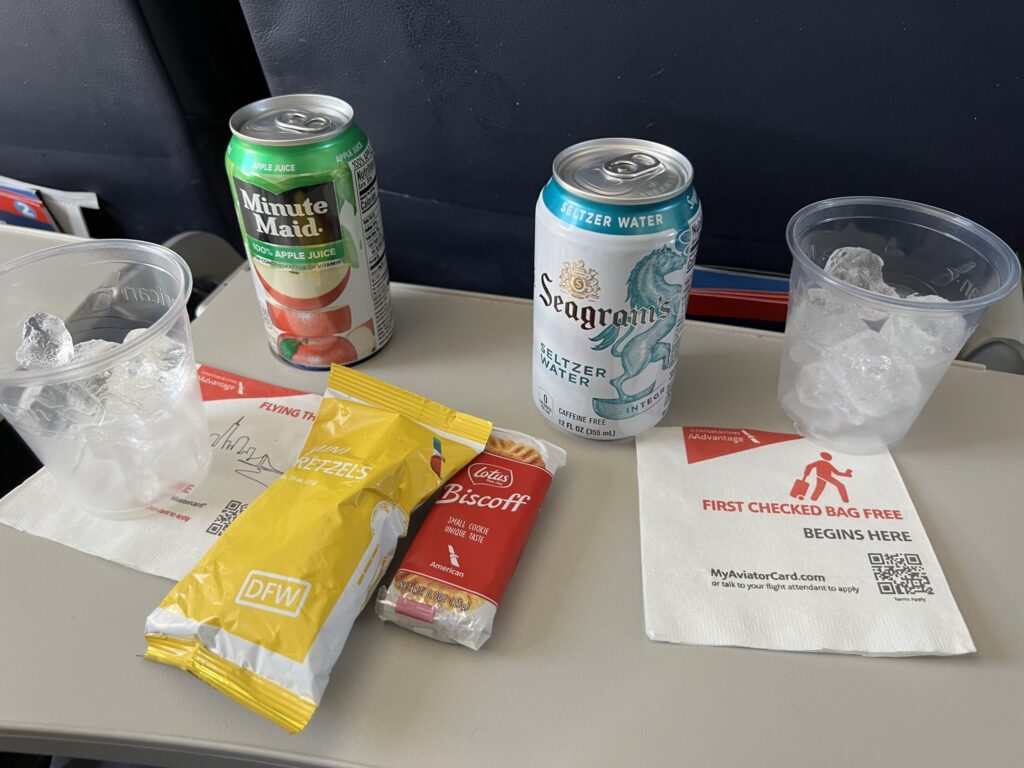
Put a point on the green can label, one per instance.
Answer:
(310, 219)
(299, 228)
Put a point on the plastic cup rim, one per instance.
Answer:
(963, 306)
(102, 362)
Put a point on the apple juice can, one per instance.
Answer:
(616, 240)
(304, 183)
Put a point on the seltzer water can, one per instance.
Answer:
(616, 240)
(304, 183)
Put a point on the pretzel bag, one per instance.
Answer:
(451, 581)
(265, 613)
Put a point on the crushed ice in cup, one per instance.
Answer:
(928, 338)
(859, 267)
(45, 342)
(137, 388)
(119, 424)
(874, 376)
(858, 371)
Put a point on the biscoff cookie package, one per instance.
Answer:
(452, 579)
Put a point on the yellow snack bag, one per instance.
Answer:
(264, 614)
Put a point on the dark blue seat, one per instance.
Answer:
(468, 102)
(129, 100)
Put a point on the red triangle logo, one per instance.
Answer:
(216, 384)
(703, 443)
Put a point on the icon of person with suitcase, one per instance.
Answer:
(825, 474)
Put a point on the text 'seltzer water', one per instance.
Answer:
(616, 240)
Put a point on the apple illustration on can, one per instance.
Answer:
(320, 351)
(303, 290)
(312, 323)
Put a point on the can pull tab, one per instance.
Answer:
(632, 166)
(302, 122)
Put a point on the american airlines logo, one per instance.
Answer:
(489, 474)
(273, 592)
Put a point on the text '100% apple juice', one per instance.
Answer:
(305, 188)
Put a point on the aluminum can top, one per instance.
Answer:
(622, 171)
(292, 120)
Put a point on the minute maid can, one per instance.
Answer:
(304, 183)
(616, 240)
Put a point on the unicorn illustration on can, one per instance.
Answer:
(638, 347)
(616, 240)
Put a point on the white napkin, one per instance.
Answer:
(764, 540)
(257, 430)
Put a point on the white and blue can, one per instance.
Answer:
(616, 240)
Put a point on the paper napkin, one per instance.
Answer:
(764, 540)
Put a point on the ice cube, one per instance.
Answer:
(147, 382)
(162, 356)
(826, 319)
(82, 407)
(859, 267)
(59, 407)
(53, 408)
(801, 353)
(818, 389)
(171, 356)
(45, 342)
(875, 378)
(927, 338)
(93, 348)
(86, 350)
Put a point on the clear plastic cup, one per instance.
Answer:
(857, 366)
(123, 424)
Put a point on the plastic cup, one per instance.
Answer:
(857, 366)
(123, 424)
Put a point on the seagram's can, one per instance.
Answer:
(616, 239)
(304, 183)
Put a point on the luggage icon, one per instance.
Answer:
(825, 474)
(799, 489)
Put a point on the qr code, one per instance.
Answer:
(900, 574)
(220, 523)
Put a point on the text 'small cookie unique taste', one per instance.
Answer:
(452, 579)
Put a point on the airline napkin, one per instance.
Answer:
(765, 540)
